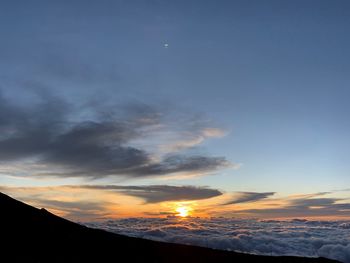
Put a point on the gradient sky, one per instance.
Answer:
(242, 105)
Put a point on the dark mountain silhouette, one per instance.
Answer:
(29, 234)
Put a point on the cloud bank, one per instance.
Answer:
(54, 134)
(330, 239)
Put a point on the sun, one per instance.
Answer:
(183, 211)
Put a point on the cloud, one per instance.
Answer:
(272, 237)
(245, 197)
(304, 207)
(313, 202)
(53, 133)
(181, 163)
(192, 138)
(336, 251)
(116, 200)
(161, 193)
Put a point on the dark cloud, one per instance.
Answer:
(53, 134)
(160, 193)
(161, 213)
(245, 197)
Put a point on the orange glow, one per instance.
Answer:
(80, 204)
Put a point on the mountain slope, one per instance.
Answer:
(29, 234)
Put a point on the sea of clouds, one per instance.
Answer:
(330, 239)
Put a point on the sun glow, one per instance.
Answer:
(183, 211)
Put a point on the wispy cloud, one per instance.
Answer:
(191, 138)
(308, 206)
(160, 193)
(245, 197)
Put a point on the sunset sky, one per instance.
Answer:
(113, 109)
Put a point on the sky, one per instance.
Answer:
(153, 108)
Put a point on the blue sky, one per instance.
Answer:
(271, 75)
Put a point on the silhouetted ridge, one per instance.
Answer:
(29, 234)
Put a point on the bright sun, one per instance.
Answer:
(183, 211)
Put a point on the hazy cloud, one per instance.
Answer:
(245, 197)
(161, 193)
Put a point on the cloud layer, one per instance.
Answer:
(329, 239)
(52, 133)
